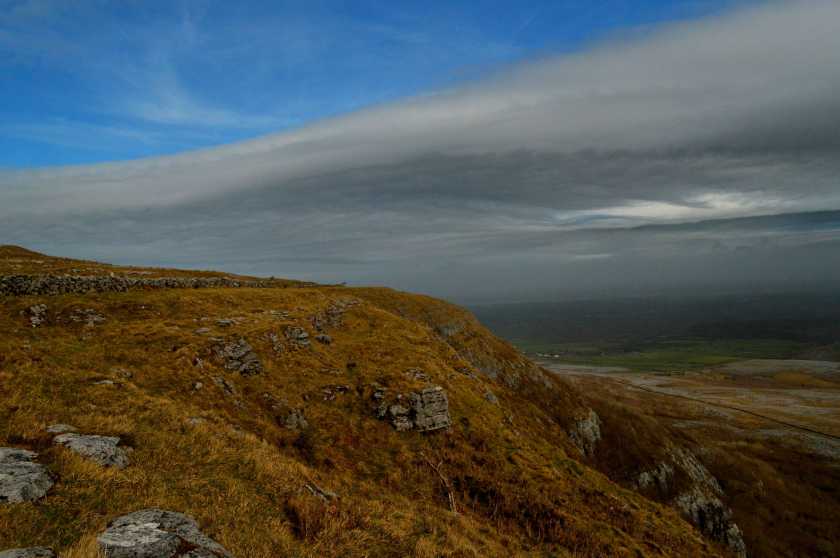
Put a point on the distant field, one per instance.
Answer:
(666, 356)
(673, 334)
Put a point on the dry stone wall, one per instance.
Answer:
(23, 285)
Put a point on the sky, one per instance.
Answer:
(473, 150)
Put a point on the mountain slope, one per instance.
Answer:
(259, 411)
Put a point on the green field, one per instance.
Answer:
(665, 355)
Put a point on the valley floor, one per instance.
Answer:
(769, 429)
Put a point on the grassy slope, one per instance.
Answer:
(519, 487)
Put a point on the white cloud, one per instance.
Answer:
(733, 116)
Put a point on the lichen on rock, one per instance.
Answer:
(21, 479)
(155, 533)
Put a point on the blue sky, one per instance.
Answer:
(473, 151)
(91, 80)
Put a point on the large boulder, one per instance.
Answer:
(101, 449)
(426, 411)
(431, 409)
(155, 533)
(22, 480)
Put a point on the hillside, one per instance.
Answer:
(294, 419)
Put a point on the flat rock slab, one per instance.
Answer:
(34, 552)
(155, 533)
(101, 449)
(22, 480)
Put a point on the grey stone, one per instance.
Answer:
(294, 420)
(297, 336)
(427, 410)
(37, 314)
(700, 503)
(155, 533)
(430, 408)
(34, 552)
(60, 428)
(659, 477)
(586, 432)
(202, 331)
(88, 316)
(400, 418)
(101, 449)
(491, 397)
(712, 518)
(239, 356)
(26, 285)
(21, 480)
(323, 338)
(226, 386)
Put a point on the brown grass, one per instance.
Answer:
(518, 488)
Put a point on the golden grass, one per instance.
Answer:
(242, 475)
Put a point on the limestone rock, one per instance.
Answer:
(297, 336)
(426, 411)
(400, 418)
(155, 533)
(586, 432)
(37, 314)
(87, 316)
(60, 428)
(22, 480)
(25, 285)
(712, 518)
(294, 420)
(431, 409)
(700, 503)
(101, 449)
(239, 356)
(34, 552)
(323, 338)
(659, 477)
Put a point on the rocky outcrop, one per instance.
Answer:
(700, 503)
(21, 479)
(586, 432)
(25, 285)
(34, 552)
(425, 411)
(333, 315)
(711, 516)
(100, 449)
(239, 356)
(155, 533)
(430, 409)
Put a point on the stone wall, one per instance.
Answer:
(22, 285)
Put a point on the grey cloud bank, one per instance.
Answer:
(638, 165)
